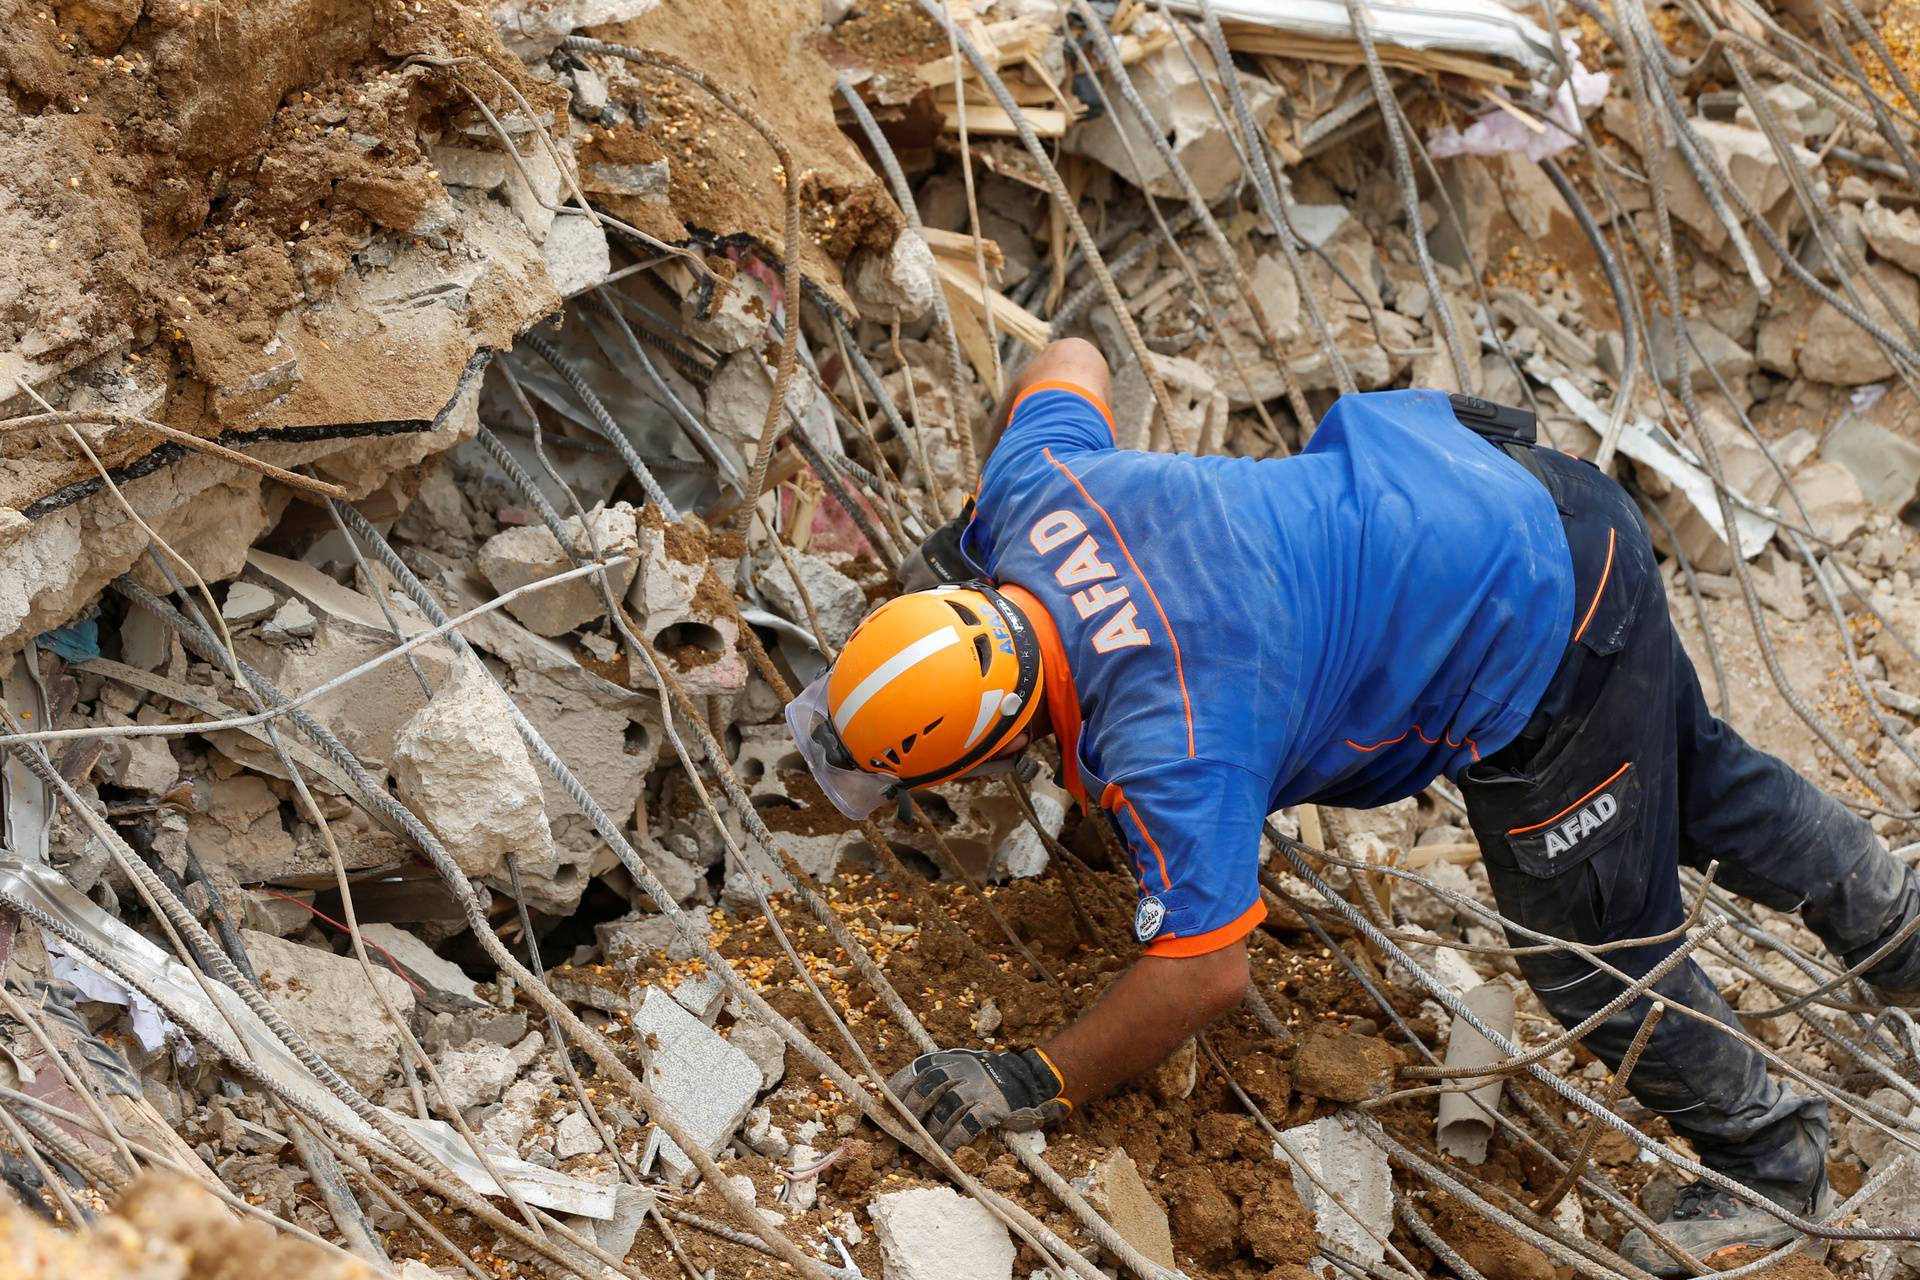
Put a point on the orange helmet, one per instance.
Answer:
(930, 685)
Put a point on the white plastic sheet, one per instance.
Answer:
(1480, 27)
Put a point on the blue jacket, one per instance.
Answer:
(1228, 636)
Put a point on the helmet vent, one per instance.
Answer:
(983, 650)
(967, 615)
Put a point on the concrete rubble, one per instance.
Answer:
(477, 286)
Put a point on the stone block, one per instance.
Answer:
(516, 557)
(706, 1084)
(328, 1000)
(935, 1233)
(1357, 1172)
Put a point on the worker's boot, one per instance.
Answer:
(1710, 1223)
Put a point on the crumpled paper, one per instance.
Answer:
(151, 1027)
(1499, 132)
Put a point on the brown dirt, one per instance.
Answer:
(1342, 1067)
(725, 181)
(1492, 1251)
(185, 180)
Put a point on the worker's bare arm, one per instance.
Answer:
(1144, 1016)
(1073, 360)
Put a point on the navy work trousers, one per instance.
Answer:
(1622, 776)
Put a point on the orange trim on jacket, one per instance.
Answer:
(1520, 831)
(1600, 590)
(1076, 389)
(1179, 668)
(1056, 686)
(1418, 732)
(1115, 800)
(1200, 944)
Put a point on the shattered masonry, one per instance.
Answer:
(427, 356)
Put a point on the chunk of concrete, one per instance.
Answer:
(1123, 1199)
(293, 620)
(1835, 506)
(421, 961)
(1355, 1170)
(576, 254)
(896, 285)
(574, 1136)
(935, 1233)
(1894, 236)
(759, 1041)
(516, 557)
(1836, 350)
(246, 603)
(838, 603)
(139, 764)
(1886, 466)
(237, 827)
(628, 942)
(1342, 1067)
(706, 1084)
(476, 1073)
(328, 1000)
(461, 767)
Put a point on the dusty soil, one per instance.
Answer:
(186, 176)
(725, 181)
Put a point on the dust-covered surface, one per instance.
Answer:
(294, 229)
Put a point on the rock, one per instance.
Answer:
(626, 942)
(1717, 353)
(246, 603)
(463, 769)
(576, 255)
(706, 1084)
(630, 1207)
(738, 319)
(535, 29)
(806, 1192)
(529, 553)
(649, 179)
(763, 1136)
(1123, 1199)
(935, 1233)
(1023, 853)
(1201, 1212)
(1835, 506)
(145, 641)
(1174, 1079)
(1342, 1067)
(701, 995)
(476, 1073)
(1415, 904)
(763, 1044)
(1837, 350)
(293, 620)
(897, 285)
(1894, 236)
(237, 827)
(1177, 98)
(1887, 466)
(328, 1000)
(1747, 157)
(140, 764)
(838, 602)
(574, 1136)
(421, 961)
(1356, 1171)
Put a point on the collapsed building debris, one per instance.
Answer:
(437, 440)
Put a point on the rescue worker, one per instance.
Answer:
(1421, 592)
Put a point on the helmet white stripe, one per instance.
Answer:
(989, 705)
(890, 670)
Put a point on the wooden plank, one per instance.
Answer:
(1248, 38)
(1047, 122)
(958, 245)
(965, 291)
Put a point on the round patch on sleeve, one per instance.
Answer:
(1147, 920)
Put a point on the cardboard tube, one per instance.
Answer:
(1463, 1129)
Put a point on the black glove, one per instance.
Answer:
(939, 559)
(958, 1094)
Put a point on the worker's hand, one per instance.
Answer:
(959, 1094)
(939, 559)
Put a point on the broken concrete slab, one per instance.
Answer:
(328, 1000)
(246, 603)
(935, 1233)
(421, 961)
(476, 1073)
(1355, 1170)
(1123, 1199)
(705, 1083)
(576, 255)
(760, 1042)
(838, 602)
(237, 827)
(574, 1136)
(1894, 236)
(463, 769)
(896, 285)
(1834, 349)
(1886, 466)
(516, 557)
